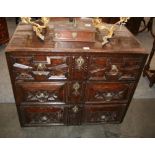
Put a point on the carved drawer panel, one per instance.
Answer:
(40, 68)
(114, 68)
(103, 114)
(97, 92)
(43, 115)
(53, 92)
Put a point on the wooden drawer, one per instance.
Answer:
(42, 115)
(39, 93)
(104, 114)
(40, 67)
(78, 31)
(115, 68)
(73, 35)
(99, 92)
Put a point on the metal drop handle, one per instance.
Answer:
(103, 117)
(41, 67)
(108, 96)
(44, 118)
(42, 96)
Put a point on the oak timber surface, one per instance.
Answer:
(24, 39)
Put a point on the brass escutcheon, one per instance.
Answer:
(76, 87)
(114, 70)
(74, 35)
(79, 62)
(75, 109)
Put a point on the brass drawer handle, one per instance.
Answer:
(75, 109)
(103, 117)
(76, 87)
(114, 70)
(108, 96)
(79, 62)
(42, 94)
(41, 67)
(43, 118)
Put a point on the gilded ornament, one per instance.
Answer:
(38, 26)
(98, 24)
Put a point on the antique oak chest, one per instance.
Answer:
(65, 82)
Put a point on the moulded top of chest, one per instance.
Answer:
(24, 39)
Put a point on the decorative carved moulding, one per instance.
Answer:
(42, 96)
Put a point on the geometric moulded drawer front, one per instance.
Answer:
(114, 68)
(43, 115)
(100, 92)
(40, 68)
(103, 114)
(41, 93)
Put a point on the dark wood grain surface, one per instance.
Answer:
(24, 39)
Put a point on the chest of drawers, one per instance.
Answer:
(63, 83)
